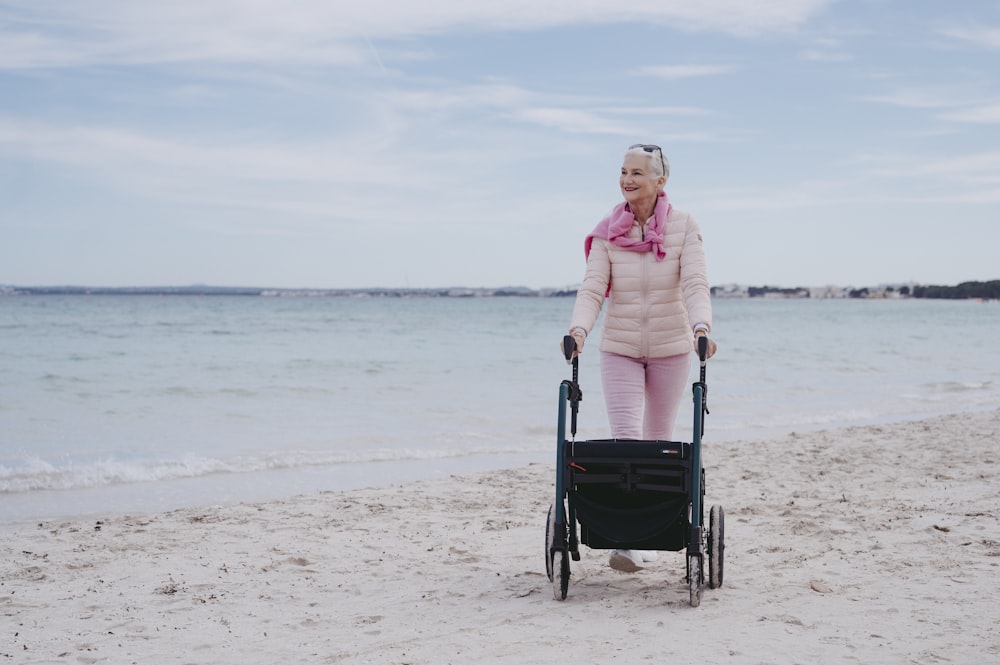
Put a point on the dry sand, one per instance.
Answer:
(862, 545)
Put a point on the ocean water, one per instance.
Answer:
(141, 403)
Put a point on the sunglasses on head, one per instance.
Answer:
(650, 148)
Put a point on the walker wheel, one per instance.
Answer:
(716, 546)
(550, 532)
(557, 561)
(560, 581)
(696, 577)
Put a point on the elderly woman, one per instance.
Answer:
(646, 259)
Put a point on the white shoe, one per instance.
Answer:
(647, 555)
(625, 561)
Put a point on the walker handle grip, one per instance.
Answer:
(569, 346)
(702, 347)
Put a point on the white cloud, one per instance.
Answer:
(987, 114)
(955, 105)
(817, 55)
(308, 175)
(496, 95)
(360, 176)
(574, 120)
(975, 168)
(804, 195)
(684, 71)
(689, 111)
(982, 36)
(922, 98)
(617, 122)
(574, 114)
(67, 33)
(826, 49)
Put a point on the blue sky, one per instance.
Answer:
(440, 143)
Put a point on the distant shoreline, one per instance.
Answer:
(967, 290)
(199, 290)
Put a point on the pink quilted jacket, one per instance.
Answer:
(653, 305)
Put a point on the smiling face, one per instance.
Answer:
(638, 183)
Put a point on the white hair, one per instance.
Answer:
(658, 168)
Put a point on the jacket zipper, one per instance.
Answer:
(643, 310)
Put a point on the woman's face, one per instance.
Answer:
(637, 181)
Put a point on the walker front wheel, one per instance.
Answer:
(560, 576)
(696, 577)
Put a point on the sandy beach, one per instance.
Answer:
(861, 545)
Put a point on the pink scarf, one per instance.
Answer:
(615, 227)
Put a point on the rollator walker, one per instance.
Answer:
(628, 494)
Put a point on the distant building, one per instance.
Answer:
(827, 292)
(730, 291)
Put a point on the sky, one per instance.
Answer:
(390, 143)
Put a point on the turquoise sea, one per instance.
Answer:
(141, 403)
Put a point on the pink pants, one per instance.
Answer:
(660, 382)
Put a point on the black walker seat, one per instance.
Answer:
(628, 494)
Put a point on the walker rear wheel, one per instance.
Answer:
(716, 546)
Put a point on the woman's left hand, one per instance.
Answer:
(712, 346)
